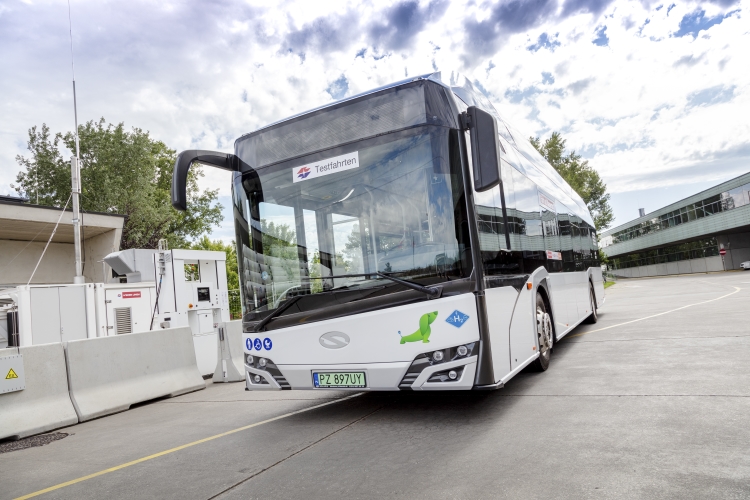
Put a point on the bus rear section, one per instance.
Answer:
(403, 239)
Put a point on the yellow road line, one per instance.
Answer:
(736, 289)
(178, 448)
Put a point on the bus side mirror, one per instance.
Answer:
(485, 147)
(225, 161)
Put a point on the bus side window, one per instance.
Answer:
(566, 240)
(551, 232)
(491, 229)
(528, 210)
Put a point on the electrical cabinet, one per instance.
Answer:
(190, 289)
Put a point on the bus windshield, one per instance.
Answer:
(392, 204)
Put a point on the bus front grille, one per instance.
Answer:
(407, 381)
(277, 376)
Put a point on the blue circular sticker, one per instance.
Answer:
(249, 344)
(258, 344)
(267, 344)
(264, 275)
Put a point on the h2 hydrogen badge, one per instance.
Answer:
(457, 318)
(325, 167)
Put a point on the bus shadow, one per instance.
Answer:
(425, 409)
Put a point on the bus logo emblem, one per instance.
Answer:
(424, 331)
(303, 172)
(457, 318)
(334, 340)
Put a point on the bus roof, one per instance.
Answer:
(529, 161)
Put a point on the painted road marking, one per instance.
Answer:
(178, 448)
(736, 289)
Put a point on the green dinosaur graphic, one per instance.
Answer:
(424, 331)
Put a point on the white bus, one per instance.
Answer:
(407, 238)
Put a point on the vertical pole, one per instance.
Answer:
(75, 170)
(75, 174)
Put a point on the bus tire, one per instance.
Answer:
(593, 317)
(545, 335)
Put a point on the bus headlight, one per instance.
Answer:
(447, 375)
(267, 366)
(433, 358)
(452, 353)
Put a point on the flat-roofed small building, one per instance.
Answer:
(25, 229)
(686, 236)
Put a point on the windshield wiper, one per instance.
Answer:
(276, 312)
(433, 292)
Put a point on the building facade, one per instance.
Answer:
(686, 236)
(25, 230)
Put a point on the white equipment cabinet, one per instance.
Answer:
(123, 307)
(54, 313)
(201, 303)
(164, 289)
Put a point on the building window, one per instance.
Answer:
(707, 247)
(728, 200)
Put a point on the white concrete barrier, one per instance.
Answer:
(44, 404)
(234, 334)
(226, 369)
(698, 265)
(109, 374)
(714, 264)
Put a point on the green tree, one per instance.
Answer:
(279, 240)
(580, 175)
(122, 172)
(277, 235)
(233, 278)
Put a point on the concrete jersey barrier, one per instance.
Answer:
(109, 374)
(44, 404)
(234, 335)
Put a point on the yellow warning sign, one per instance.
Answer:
(11, 374)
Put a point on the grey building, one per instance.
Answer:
(686, 236)
(25, 230)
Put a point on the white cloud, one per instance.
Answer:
(200, 75)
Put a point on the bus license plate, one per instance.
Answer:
(339, 379)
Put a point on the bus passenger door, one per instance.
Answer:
(500, 302)
(523, 328)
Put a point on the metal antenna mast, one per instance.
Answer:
(75, 170)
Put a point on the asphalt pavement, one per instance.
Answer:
(652, 402)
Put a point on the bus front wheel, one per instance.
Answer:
(593, 318)
(545, 335)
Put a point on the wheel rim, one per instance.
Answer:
(544, 332)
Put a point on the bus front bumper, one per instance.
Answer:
(379, 376)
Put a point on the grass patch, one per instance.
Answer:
(608, 284)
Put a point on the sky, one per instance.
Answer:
(655, 95)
